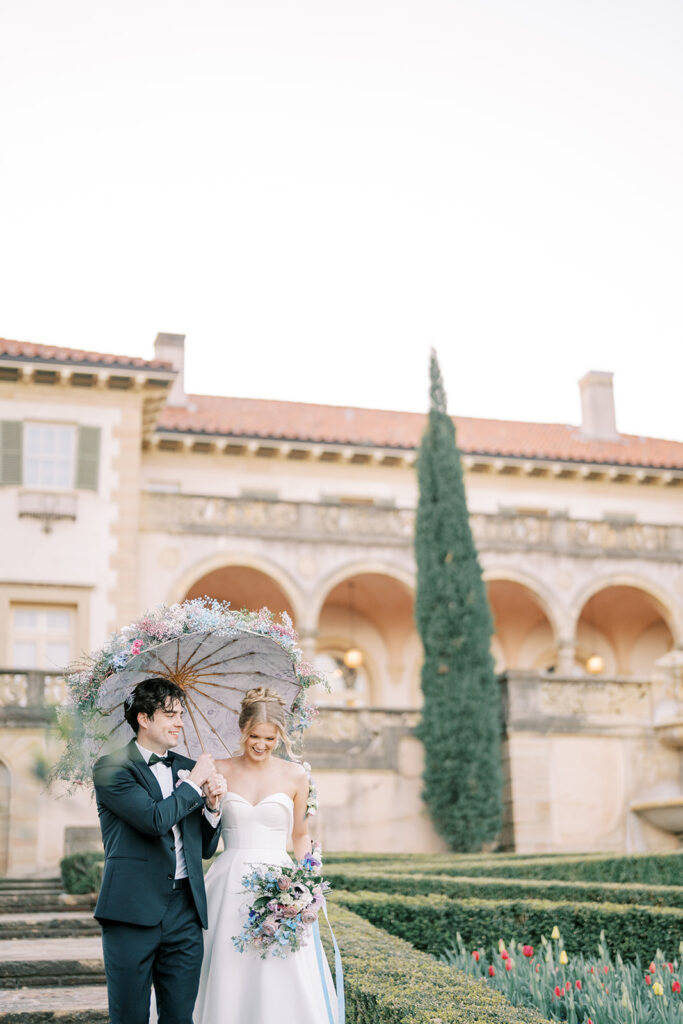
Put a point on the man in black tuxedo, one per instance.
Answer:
(156, 830)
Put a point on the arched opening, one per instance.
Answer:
(243, 587)
(5, 792)
(523, 637)
(365, 630)
(622, 631)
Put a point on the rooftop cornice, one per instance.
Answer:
(474, 462)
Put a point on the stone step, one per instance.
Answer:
(51, 963)
(38, 902)
(30, 883)
(70, 923)
(86, 1004)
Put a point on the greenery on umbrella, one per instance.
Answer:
(460, 725)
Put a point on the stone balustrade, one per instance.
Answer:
(543, 702)
(356, 523)
(29, 697)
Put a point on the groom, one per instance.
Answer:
(156, 830)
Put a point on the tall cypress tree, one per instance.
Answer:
(460, 726)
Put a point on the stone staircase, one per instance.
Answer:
(51, 965)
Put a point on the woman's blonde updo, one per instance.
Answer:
(262, 705)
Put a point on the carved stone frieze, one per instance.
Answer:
(618, 698)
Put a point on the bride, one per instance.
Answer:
(265, 804)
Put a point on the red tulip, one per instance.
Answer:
(475, 954)
(606, 968)
(558, 991)
(671, 968)
(504, 953)
(538, 967)
(508, 965)
(568, 986)
(648, 979)
(578, 984)
(652, 968)
(528, 950)
(675, 986)
(492, 970)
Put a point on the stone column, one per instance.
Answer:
(566, 657)
(308, 639)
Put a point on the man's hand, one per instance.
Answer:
(214, 790)
(202, 771)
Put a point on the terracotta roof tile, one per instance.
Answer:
(375, 428)
(30, 352)
(330, 424)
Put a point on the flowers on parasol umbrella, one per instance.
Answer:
(213, 653)
(214, 672)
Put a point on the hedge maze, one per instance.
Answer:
(395, 916)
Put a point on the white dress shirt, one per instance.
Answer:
(164, 776)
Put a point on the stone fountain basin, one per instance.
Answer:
(666, 814)
(670, 733)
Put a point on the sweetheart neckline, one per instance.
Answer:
(269, 796)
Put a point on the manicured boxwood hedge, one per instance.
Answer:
(388, 982)
(82, 872)
(431, 922)
(649, 869)
(354, 879)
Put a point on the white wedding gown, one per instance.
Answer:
(241, 988)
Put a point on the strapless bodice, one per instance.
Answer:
(266, 825)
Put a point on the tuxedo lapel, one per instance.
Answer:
(144, 772)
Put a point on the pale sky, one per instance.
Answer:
(316, 191)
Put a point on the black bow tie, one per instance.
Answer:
(155, 759)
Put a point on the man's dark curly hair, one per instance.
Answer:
(148, 696)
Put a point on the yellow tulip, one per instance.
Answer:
(564, 959)
(555, 933)
(657, 989)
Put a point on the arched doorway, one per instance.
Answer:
(622, 631)
(244, 587)
(524, 636)
(370, 613)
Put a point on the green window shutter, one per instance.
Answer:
(10, 451)
(88, 459)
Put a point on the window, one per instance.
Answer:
(49, 455)
(42, 636)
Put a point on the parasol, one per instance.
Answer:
(213, 652)
(214, 671)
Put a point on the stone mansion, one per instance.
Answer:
(119, 491)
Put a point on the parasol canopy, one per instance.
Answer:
(214, 673)
(214, 653)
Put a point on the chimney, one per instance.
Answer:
(171, 348)
(598, 418)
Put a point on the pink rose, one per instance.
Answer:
(283, 883)
(289, 912)
(269, 926)
(310, 914)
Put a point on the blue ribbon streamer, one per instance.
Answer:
(338, 972)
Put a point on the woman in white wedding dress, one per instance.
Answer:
(265, 804)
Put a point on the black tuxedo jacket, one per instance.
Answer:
(139, 848)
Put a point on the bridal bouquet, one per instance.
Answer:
(287, 902)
